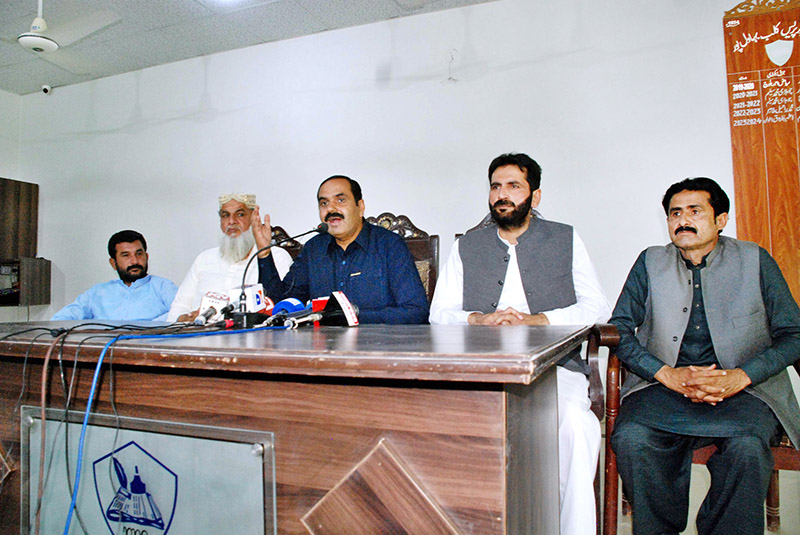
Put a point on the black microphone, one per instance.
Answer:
(211, 304)
(321, 228)
(282, 310)
(201, 319)
(338, 311)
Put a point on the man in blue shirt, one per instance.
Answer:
(370, 264)
(134, 296)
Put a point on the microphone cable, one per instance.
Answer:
(321, 228)
(43, 443)
(7, 452)
(93, 389)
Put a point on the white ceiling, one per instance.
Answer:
(155, 32)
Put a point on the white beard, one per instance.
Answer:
(235, 249)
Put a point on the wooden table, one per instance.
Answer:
(453, 427)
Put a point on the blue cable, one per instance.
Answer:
(94, 385)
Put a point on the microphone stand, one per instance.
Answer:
(322, 227)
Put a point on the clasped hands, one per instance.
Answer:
(703, 384)
(509, 316)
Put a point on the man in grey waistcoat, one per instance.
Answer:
(524, 270)
(707, 329)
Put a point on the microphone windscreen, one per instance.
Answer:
(339, 311)
(288, 306)
(322, 228)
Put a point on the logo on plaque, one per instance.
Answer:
(779, 51)
(134, 488)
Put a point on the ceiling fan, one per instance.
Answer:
(49, 42)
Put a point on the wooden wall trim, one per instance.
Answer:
(755, 7)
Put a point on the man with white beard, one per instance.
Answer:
(221, 268)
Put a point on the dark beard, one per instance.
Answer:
(514, 219)
(128, 278)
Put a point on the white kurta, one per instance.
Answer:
(211, 273)
(578, 428)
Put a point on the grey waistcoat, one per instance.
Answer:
(737, 319)
(544, 256)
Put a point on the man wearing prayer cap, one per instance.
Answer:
(220, 269)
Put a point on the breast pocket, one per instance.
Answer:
(368, 287)
(752, 329)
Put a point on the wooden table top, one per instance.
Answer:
(507, 354)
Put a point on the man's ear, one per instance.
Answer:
(113, 263)
(362, 207)
(721, 220)
(536, 198)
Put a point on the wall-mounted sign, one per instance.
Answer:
(762, 52)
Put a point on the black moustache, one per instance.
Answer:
(504, 203)
(135, 266)
(689, 229)
(333, 214)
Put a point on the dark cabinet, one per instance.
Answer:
(24, 279)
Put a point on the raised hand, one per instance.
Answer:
(262, 231)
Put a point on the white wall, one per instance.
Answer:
(9, 134)
(9, 168)
(616, 100)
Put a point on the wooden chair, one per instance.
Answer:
(293, 247)
(786, 457)
(602, 336)
(424, 247)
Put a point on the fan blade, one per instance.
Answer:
(69, 61)
(74, 30)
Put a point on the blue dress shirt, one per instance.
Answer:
(148, 298)
(376, 272)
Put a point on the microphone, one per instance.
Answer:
(339, 311)
(321, 228)
(290, 305)
(211, 305)
(283, 309)
(254, 310)
(255, 300)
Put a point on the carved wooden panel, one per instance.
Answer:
(281, 238)
(380, 495)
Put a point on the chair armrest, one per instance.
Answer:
(602, 335)
(607, 335)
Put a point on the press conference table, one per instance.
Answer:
(467, 414)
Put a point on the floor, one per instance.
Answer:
(790, 503)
